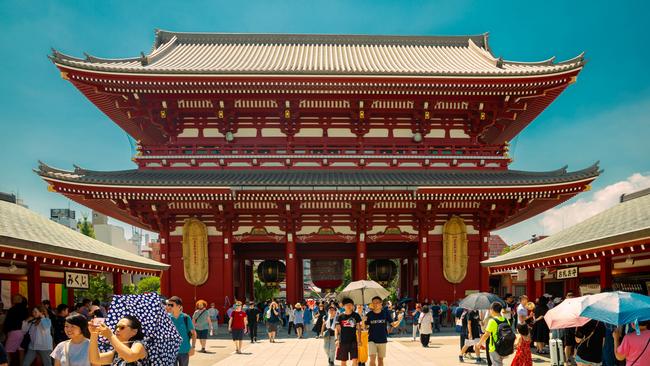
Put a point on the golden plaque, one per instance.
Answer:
(195, 251)
(454, 250)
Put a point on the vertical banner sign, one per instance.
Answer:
(454, 250)
(195, 252)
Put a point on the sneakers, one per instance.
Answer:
(479, 360)
(460, 359)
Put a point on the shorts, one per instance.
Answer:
(202, 333)
(14, 338)
(378, 349)
(472, 342)
(496, 359)
(578, 359)
(300, 325)
(237, 334)
(347, 351)
(272, 327)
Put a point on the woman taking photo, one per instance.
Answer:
(73, 352)
(128, 349)
(38, 326)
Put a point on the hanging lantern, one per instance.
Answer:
(327, 274)
(271, 272)
(382, 271)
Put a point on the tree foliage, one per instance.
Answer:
(149, 284)
(86, 227)
(98, 289)
(263, 292)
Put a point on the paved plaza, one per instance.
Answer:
(291, 351)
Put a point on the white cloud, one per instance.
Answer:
(559, 218)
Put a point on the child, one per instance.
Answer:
(522, 344)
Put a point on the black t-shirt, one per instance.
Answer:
(377, 323)
(590, 347)
(348, 324)
(252, 315)
(475, 319)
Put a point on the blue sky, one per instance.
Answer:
(604, 116)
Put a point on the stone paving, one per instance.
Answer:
(291, 351)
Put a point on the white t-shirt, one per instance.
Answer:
(78, 353)
(522, 313)
(425, 321)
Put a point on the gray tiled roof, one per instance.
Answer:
(347, 178)
(224, 53)
(628, 220)
(21, 228)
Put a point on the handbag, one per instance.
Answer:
(27, 339)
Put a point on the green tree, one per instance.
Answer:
(129, 289)
(263, 292)
(347, 274)
(98, 289)
(149, 284)
(86, 227)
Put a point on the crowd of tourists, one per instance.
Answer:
(518, 329)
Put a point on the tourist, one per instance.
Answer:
(320, 316)
(540, 329)
(416, 315)
(291, 317)
(237, 325)
(202, 323)
(509, 309)
(253, 317)
(493, 332)
(74, 351)
(635, 348)
(128, 349)
(425, 325)
(522, 310)
(59, 323)
(523, 356)
(347, 325)
(213, 313)
(185, 328)
(328, 329)
(84, 309)
(48, 306)
(444, 313)
(378, 320)
(273, 315)
(569, 340)
(590, 339)
(98, 309)
(436, 310)
(308, 315)
(299, 319)
(13, 328)
(472, 329)
(39, 328)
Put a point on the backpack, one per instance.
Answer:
(187, 325)
(505, 340)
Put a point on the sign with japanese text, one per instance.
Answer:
(76, 280)
(563, 273)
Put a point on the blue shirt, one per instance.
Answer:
(299, 317)
(377, 326)
(183, 330)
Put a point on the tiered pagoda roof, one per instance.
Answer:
(292, 54)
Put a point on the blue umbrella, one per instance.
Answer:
(161, 337)
(617, 307)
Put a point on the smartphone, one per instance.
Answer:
(98, 321)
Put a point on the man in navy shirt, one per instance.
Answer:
(378, 321)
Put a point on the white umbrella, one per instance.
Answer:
(566, 314)
(361, 292)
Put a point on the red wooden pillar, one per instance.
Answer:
(423, 268)
(292, 269)
(300, 278)
(165, 276)
(605, 273)
(33, 282)
(361, 258)
(530, 284)
(228, 287)
(71, 299)
(117, 283)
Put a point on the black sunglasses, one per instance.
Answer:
(169, 305)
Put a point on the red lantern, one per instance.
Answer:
(327, 274)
